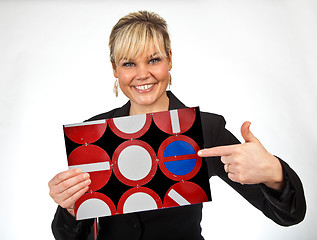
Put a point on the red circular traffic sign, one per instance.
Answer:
(134, 163)
(175, 121)
(92, 205)
(184, 193)
(85, 133)
(130, 127)
(139, 199)
(95, 161)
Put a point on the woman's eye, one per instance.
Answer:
(128, 64)
(155, 60)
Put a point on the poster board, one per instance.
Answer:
(139, 163)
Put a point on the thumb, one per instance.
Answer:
(246, 133)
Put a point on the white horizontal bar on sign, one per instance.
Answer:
(175, 121)
(86, 123)
(178, 198)
(92, 167)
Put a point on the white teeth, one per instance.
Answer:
(144, 87)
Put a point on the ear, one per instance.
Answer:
(114, 69)
(170, 61)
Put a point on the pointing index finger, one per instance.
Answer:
(216, 151)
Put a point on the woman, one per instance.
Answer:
(141, 58)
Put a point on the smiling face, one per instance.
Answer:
(140, 53)
(144, 80)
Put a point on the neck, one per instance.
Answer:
(161, 105)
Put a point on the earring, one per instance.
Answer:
(170, 80)
(115, 87)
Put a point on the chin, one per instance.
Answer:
(146, 102)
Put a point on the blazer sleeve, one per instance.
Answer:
(65, 227)
(285, 208)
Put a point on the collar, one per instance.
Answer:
(174, 103)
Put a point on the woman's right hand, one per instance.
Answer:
(68, 186)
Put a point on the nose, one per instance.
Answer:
(142, 72)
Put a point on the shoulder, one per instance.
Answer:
(210, 120)
(214, 130)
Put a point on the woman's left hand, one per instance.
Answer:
(249, 162)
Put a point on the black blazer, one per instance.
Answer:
(285, 208)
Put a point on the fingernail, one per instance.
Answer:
(199, 153)
(86, 175)
(78, 170)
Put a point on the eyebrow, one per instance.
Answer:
(153, 55)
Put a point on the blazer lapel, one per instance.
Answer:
(175, 103)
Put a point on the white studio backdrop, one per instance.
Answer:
(246, 60)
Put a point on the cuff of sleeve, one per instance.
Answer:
(275, 194)
(69, 220)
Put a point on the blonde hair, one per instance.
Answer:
(137, 32)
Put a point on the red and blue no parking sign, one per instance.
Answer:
(178, 158)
